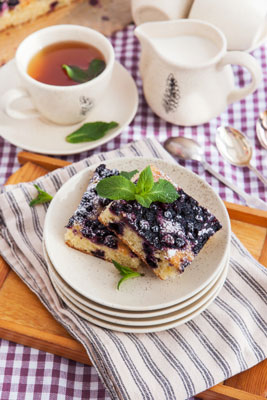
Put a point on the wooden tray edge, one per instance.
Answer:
(32, 337)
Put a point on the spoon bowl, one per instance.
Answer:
(261, 129)
(189, 149)
(234, 146)
(184, 148)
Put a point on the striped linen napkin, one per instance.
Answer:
(229, 337)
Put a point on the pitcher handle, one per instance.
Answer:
(247, 61)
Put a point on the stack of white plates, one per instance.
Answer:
(144, 304)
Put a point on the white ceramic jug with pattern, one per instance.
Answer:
(186, 70)
(159, 10)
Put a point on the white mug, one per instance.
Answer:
(244, 22)
(159, 10)
(186, 70)
(63, 105)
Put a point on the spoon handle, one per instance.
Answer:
(259, 175)
(251, 201)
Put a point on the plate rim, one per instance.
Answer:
(150, 329)
(203, 299)
(114, 312)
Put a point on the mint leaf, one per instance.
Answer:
(163, 191)
(145, 201)
(126, 272)
(128, 175)
(116, 188)
(75, 73)
(125, 277)
(145, 181)
(145, 191)
(95, 68)
(42, 197)
(80, 75)
(91, 131)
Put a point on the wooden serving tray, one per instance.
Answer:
(24, 320)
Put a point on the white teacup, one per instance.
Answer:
(60, 104)
(186, 70)
(159, 10)
(244, 22)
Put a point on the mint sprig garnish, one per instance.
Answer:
(91, 131)
(80, 75)
(42, 197)
(129, 175)
(145, 191)
(126, 273)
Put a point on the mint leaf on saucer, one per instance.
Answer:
(116, 188)
(129, 175)
(125, 272)
(80, 75)
(42, 197)
(91, 131)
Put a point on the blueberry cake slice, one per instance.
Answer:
(15, 12)
(166, 237)
(87, 234)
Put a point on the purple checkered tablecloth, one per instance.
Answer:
(31, 374)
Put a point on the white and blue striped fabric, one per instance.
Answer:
(228, 337)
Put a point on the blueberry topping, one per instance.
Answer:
(98, 253)
(111, 241)
(169, 226)
(117, 227)
(89, 208)
(12, 3)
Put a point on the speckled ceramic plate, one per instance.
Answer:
(113, 312)
(96, 279)
(36, 134)
(120, 327)
(145, 320)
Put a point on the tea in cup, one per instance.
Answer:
(64, 71)
(243, 22)
(159, 10)
(186, 70)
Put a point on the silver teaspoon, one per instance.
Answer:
(189, 149)
(236, 149)
(261, 129)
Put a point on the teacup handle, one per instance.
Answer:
(249, 62)
(8, 99)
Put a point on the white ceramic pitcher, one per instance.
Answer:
(186, 71)
(159, 10)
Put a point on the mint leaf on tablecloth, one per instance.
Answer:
(91, 131)
(42, 197)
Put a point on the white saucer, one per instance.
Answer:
(148, 321)
(96, 279)
(38, 135)
(113, 312)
